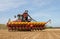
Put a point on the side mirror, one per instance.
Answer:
(15, 16)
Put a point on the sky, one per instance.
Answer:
(40, 10)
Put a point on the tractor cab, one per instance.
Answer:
(23, 17)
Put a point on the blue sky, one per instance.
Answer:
(40, 10)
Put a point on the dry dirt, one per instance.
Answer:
(45, 34)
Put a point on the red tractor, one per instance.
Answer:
(24, 22)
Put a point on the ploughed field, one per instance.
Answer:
(45, 34)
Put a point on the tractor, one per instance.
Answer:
(25, 22)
